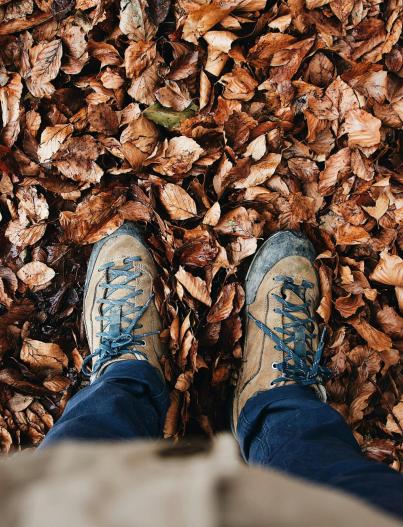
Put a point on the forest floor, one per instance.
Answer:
(213, 125)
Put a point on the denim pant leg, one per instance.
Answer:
(289, 429)
(129, 400)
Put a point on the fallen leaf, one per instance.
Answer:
(35, 273)
(52, 139)
(178, 156)
(390, 322)
(347, 305)
(376, 339)
(195, 286)
(223, 305)
(178, 203)
(347, 234)
(260, 172)
(389, 270)
(46, 60)
(42, 355)
(394, 423)
(362, 128)
(380, 208)
(325, 306)
(21, 235)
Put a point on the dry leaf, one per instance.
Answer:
(394, 423)
(375, 338)
(46, 60)
(35, 273)
(389, 270)
(362, 128)
(195, 286)
(178, 203)
(42, 355)
(52, 139)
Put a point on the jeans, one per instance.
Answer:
(286, 428)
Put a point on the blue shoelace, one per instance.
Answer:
(120, 317)
(302, 364)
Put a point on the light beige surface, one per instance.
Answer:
(256, 372)
(152, 485)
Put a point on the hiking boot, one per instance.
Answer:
(282, 345)
(118, 294)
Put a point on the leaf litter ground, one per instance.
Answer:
(213, 125)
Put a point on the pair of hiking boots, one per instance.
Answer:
(281, 343)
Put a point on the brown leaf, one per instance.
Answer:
(134, 20)
(239, 85)
(22, 236)
(235, 222)
(172, 416)
(347, 305)
(360, 403)
(212, 216)
(362, 128)
(103, 119)
(390, 322)
(135, 211)
(32, 206)
(75, 49)
(347, 234)
(240, 249)
(93, 218)
(260, 172)
(105, 53)
(52, 139)
(46, 60)
(223, 305)
(336, 168)
(197, 254)
(325, 306)
(178, 203)
(195, 286)
(394, 423)
(202, 18)
(43, 356)
(389, 270)
(172, 96)
(10, 96)
(376, 339)
(56, 383)
(380, 208)
(177, 156)
(35, 273)
(76, 159)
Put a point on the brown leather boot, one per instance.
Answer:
(120, 316)
(281, 336)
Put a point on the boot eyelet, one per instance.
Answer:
(274, 365)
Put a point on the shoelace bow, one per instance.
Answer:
(302, 364)
(115, 339)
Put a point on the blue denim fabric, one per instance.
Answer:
(286, 428)
(290, 429)
(128, 401)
